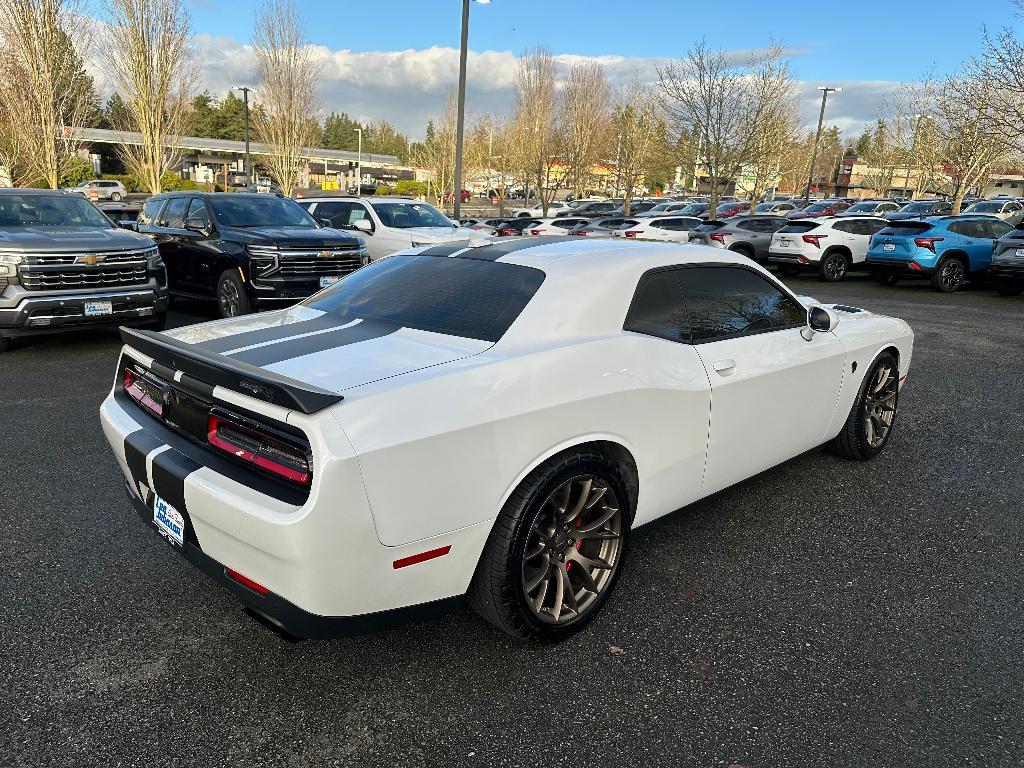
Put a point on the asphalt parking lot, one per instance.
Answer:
(824, 613)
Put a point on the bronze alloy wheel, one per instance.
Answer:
(880, 404)
(573, 549)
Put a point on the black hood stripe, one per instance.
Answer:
(270, 354)
(270, 333)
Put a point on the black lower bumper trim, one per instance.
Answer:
(1014, 271)
(897, 268)
(288, 619)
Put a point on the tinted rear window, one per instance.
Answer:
(905, 228)
(799, 226)
(471, 298)
(708, 226)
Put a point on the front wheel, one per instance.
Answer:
(870, 422)
(232, 299)
(116, 197)
(556, 550)
(833, 267)
(949, 276)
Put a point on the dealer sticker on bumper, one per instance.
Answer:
(98, 308)
(169, 521)
(329, 280)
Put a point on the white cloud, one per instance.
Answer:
(408, 87)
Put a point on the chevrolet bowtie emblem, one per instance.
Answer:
(89, 259)
(325, 254)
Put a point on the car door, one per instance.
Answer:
(199, 256)
(169, 226)
(676, 389)
(773, 393)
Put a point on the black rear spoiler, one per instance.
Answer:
(220, 370)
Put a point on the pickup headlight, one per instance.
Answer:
(153, 260)
(9, 263)
(364, 255)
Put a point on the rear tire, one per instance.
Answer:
(116, 197)
(1009, 287)
(833, 267)
(232, 299)
(950, 275)
(869, 425)
(538, 552)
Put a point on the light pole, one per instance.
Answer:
(461, 118)
(359, 163)
(245, 96)
(825, 91)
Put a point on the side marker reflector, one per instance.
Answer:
(245, 581)
(421, 557)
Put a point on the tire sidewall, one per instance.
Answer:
(528, 513)
(244, 305)
(868, 451)
(826, 274)
(938, 283)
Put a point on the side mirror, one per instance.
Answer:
(128, 224)
(819, 320)
(325, 221)
(197, 224)
(363, 225)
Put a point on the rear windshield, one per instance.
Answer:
(918, 207)
(799, 226)
(472, 298)
(905, 228)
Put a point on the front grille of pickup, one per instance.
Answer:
(310, 263)
(68, 271)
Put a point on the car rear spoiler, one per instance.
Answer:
(220, 370)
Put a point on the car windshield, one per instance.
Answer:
(471, 298)
(411, 214)
(692, 208)
(917, 207)
(863, 207)
(259, 211)
(818, 207)
(28, 210)
(725, 207)
(986, 207)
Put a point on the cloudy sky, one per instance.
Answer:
(396, 59)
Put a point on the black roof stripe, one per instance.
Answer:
(495, 251)
(445, 249)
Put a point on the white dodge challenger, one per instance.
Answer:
(488, 422)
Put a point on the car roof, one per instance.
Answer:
(37, 191)
(198, 193)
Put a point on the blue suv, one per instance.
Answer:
(946, 249)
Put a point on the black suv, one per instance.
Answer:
(246, 250)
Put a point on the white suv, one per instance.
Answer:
(104, 189)
(390, 224)
(832, 246)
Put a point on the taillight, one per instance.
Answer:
(631, 233)
(915, 266)
(146, 393)
(813, 239)
(506, 231)
(534, 231)
(580, 232)
(927, 242)
(255, 447)
(803, 260)
(718, 237)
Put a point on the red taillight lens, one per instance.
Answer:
(144, 392)
(631, 233)
(506, 231)
(927, 242)
(534, 231)
(803, 260)
(580, 232)
(718, 237)
(259, 449)
(915, 266)
(813, 239)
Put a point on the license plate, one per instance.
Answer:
(1019, 253)
(785, 243)
(169, 521)
(888, 246)
(98, 308)
(325, 281)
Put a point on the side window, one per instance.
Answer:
(337, 212)
(150, 210)
(724, 302)
(750, 226)
(874, 227)
(664, 223)
(997, 229)
(845, 226)
(959, 228)
(359, 212)
(173, 216)
(657, 308)
(197, 209)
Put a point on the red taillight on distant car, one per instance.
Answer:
(718, 237)
(534, 231)
(813, 239)
(580, 232)
(144, 392)
(927, 242)
(260, 449)
(915, 266)
(631, 233)
(803, 260)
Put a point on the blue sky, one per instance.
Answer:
(397, 59)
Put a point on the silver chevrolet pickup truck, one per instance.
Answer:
(64, 265)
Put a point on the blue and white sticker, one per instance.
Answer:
(169, 521)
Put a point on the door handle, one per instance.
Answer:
(724, 367)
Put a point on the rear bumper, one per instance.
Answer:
(54, 313)
(1014, 270)
(792, 259)
(892, 267)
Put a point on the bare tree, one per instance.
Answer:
(148, 56)
(44, 89)
(583, 122)
(437, 151)
(1002, 65)
(535, 107)
(724, 104)
(635, 127)
(884, 156)
(288, 70)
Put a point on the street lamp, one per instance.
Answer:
(245, 96)
(825, 91)
(359, 163)
(461, 119)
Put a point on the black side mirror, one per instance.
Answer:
(198, 224)
(128, 224)
(326, 222)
